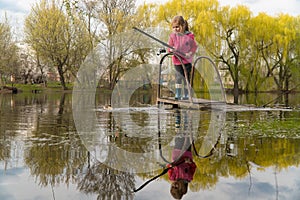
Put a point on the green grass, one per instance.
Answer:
(52, 86)
(28, 87)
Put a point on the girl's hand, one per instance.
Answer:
(172, 50)
(188, 55)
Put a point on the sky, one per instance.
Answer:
(17, 10)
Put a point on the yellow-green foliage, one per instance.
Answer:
(252, 48)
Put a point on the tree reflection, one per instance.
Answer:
(55, 154)
(42, 128)
(5, 147)
(17, 116)
(107, 183)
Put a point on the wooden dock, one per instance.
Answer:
(204, 66)
(206, 104)
(194, 103)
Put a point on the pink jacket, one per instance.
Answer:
(185, 170)
(183, 43)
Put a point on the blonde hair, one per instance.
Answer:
(179, 20)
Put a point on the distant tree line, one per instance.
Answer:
(259, 53)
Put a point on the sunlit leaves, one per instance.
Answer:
(144, 16)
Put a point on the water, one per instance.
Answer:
(253, 154)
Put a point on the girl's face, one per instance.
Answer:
(177, 28)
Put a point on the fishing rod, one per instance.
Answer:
(175, 52)
(159, 41)
(155, 177)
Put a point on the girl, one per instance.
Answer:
(185, 47)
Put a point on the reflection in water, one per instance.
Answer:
(107, 183)
(257, 156)
(182, 168)
(53, 152)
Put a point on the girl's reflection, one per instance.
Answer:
(182, 168)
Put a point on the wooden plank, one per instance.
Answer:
(206, 104)
(194, 103)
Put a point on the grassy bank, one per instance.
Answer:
(39, 88)
(36, 88)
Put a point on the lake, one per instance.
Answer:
(48, 152)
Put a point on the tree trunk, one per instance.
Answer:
(236, 87)
(235, 92)
(61, 77)
(1, 82)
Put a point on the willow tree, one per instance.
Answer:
(59, 40)
(261, 66)
(223, 32)
(286, 51)
(296, 70)
(231, 27)
(144, 16)
(274, 41)
(191, 10)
